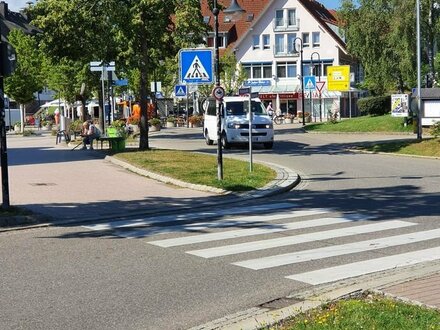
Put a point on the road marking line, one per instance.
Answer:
(354, 269)
(234, 222)
(185, 217)
(338, 250)
(266, 229)
(292, 240)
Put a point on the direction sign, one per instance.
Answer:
(338, 78)
(244, 91)
(309, 83)
(218, 93)
(196, 66)
(180, 91)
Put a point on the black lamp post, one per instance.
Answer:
(302, 76)
(234, 10)
(319, 79)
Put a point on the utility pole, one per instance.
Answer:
(3, 147)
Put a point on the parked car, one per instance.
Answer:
(235, 122)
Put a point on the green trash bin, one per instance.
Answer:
(118, 145)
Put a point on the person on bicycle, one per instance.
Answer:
(269, 109)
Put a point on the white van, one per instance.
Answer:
(235, 123)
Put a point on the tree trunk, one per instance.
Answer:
(22, 117)
(143, 137)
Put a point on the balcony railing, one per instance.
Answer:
(282, 24)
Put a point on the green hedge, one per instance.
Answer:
(375, 105)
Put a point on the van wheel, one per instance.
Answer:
(268, 145)
(225, 143)
(208, 141)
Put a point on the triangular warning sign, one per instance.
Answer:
(180, 92)
(309, 84)
(320, 85)
(196, 70)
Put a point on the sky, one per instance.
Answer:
(16, 5)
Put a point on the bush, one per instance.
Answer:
(435, 130)
(154, 121)
(375, 105)
(171, 119)
(75, 125)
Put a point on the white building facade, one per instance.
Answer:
(270, 53)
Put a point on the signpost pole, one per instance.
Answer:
(102, 116)
(250, 132)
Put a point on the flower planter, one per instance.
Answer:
(288, 120)
(155, 128)
(118, 145)
(171, 124)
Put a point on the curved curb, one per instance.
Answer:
(286, 179)
(390, 154)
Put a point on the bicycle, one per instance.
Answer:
(277, 119)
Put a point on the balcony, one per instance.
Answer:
(282, 25)
(284, 52)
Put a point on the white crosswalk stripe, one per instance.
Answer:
(333, 251)
(242, 221)
(131, 223)
(227, 225)
(292, 240)
(268, 229)
(354, 269)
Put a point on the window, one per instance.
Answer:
(326, 65)
(291, 17)
(306, 39)
(286, 69)
(266, 41)
(256, 42)
(267, 70)
(279, 18)
(279, 43)
(291, 43)
(316, 39)
(258, 70)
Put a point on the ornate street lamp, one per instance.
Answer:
(319, 79)
(419, 83)
(235, 11)
(301, 75)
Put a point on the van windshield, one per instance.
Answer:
(240, 108)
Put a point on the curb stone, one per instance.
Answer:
(285, 180)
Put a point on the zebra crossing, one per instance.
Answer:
(217, 238)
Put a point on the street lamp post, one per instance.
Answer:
(419, 83)
(301, 76)
(233, 10)
(319, 79)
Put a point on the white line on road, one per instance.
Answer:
(338, 250)
(233, 222)
(292, 240)
(266, 229)
(354, 269)
(190, 216)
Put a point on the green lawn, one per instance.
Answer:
(382, 124)
(200, 169)
(369, 312)
(426, 147)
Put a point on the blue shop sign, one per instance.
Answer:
(254, 83)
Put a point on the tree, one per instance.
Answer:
(27, 78)
(381, 34)
(231, 73)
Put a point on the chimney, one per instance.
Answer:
(4, 9)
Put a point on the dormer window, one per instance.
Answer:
(206, 19)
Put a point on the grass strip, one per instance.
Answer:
(200, 169)
(364, 124)
(427, 147)
(368, 312)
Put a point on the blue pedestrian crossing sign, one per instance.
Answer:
(310, 83)
(196, 66)
(180, 91)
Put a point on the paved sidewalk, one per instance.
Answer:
(76, 185)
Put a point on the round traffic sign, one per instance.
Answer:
(218, 92)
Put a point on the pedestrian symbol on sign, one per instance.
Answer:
(196, 70)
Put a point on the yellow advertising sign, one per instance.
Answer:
(338, 78)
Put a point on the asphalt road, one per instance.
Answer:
(80, 278)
